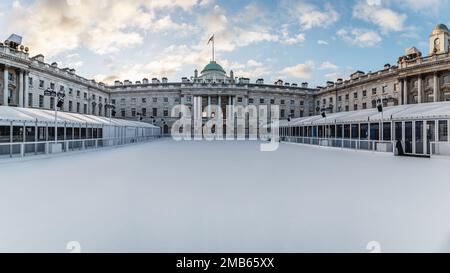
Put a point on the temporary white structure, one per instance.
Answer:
(438, 110)
(28, 130)
(110, 127)
(421, 128)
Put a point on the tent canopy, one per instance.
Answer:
(434, 110)
(31, 115)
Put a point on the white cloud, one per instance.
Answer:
(322, 42)
(302, 71)
(328, 66)
(310, 16)
(340, 73)
(253, 63)
(360, 37)
(103, 26)
(16, 4)
(373, 11)
(299, 38)
(231, 33)
(167, 24)
(287, 39)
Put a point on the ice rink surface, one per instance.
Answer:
(168, 196)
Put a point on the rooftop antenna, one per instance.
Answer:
(209, 41)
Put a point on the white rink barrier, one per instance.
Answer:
(352, 144)
(25, 149)
(440, 148)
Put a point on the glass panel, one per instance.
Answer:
(332, 131)
(430, 134)
(347, 131)
(76, 133)
(60, 133)
(69, 135)
(398, 131)
(314, 131)
(419, 137)
(387, 131)
(408, 137)
(42, 133)
(4, 133)
(320, 131)
(364, 131)
(339, 131)
(355, 129)
(443, 130)
(17, 134)
(51, 133)
(374, 131)
(30, 134)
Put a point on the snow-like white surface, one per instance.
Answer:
(225, 197)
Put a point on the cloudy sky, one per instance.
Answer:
(296, 40)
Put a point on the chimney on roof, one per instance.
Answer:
(39, 58)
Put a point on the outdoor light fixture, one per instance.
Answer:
(112, 111)
(59, 96)
(379, 105)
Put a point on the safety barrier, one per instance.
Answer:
(440, 148)
(352, 144)
(23, 149)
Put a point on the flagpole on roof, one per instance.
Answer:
(209, 41)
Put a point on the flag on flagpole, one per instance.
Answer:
(211, 39)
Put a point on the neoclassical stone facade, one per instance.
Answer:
(414, 79)
(23, 80)
(153, 101)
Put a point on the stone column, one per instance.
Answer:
(20, 89)
(436, 88)
(405, 91)
(26, 89)
(419, 89)
(209, 106)
(219, 104)
(5, 86)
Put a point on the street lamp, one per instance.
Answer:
(59, 97)
(112, 110)
(380, 107)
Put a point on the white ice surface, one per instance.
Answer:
(166, 196)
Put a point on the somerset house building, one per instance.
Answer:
(415, 79)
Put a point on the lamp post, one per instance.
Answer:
(111, 108)
(380, 106)
(58, 103)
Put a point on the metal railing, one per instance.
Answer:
(24, 149)
(344, 143)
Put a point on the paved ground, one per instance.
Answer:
(225, 197)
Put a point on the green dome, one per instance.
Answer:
(440, 28)
(213, 66)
